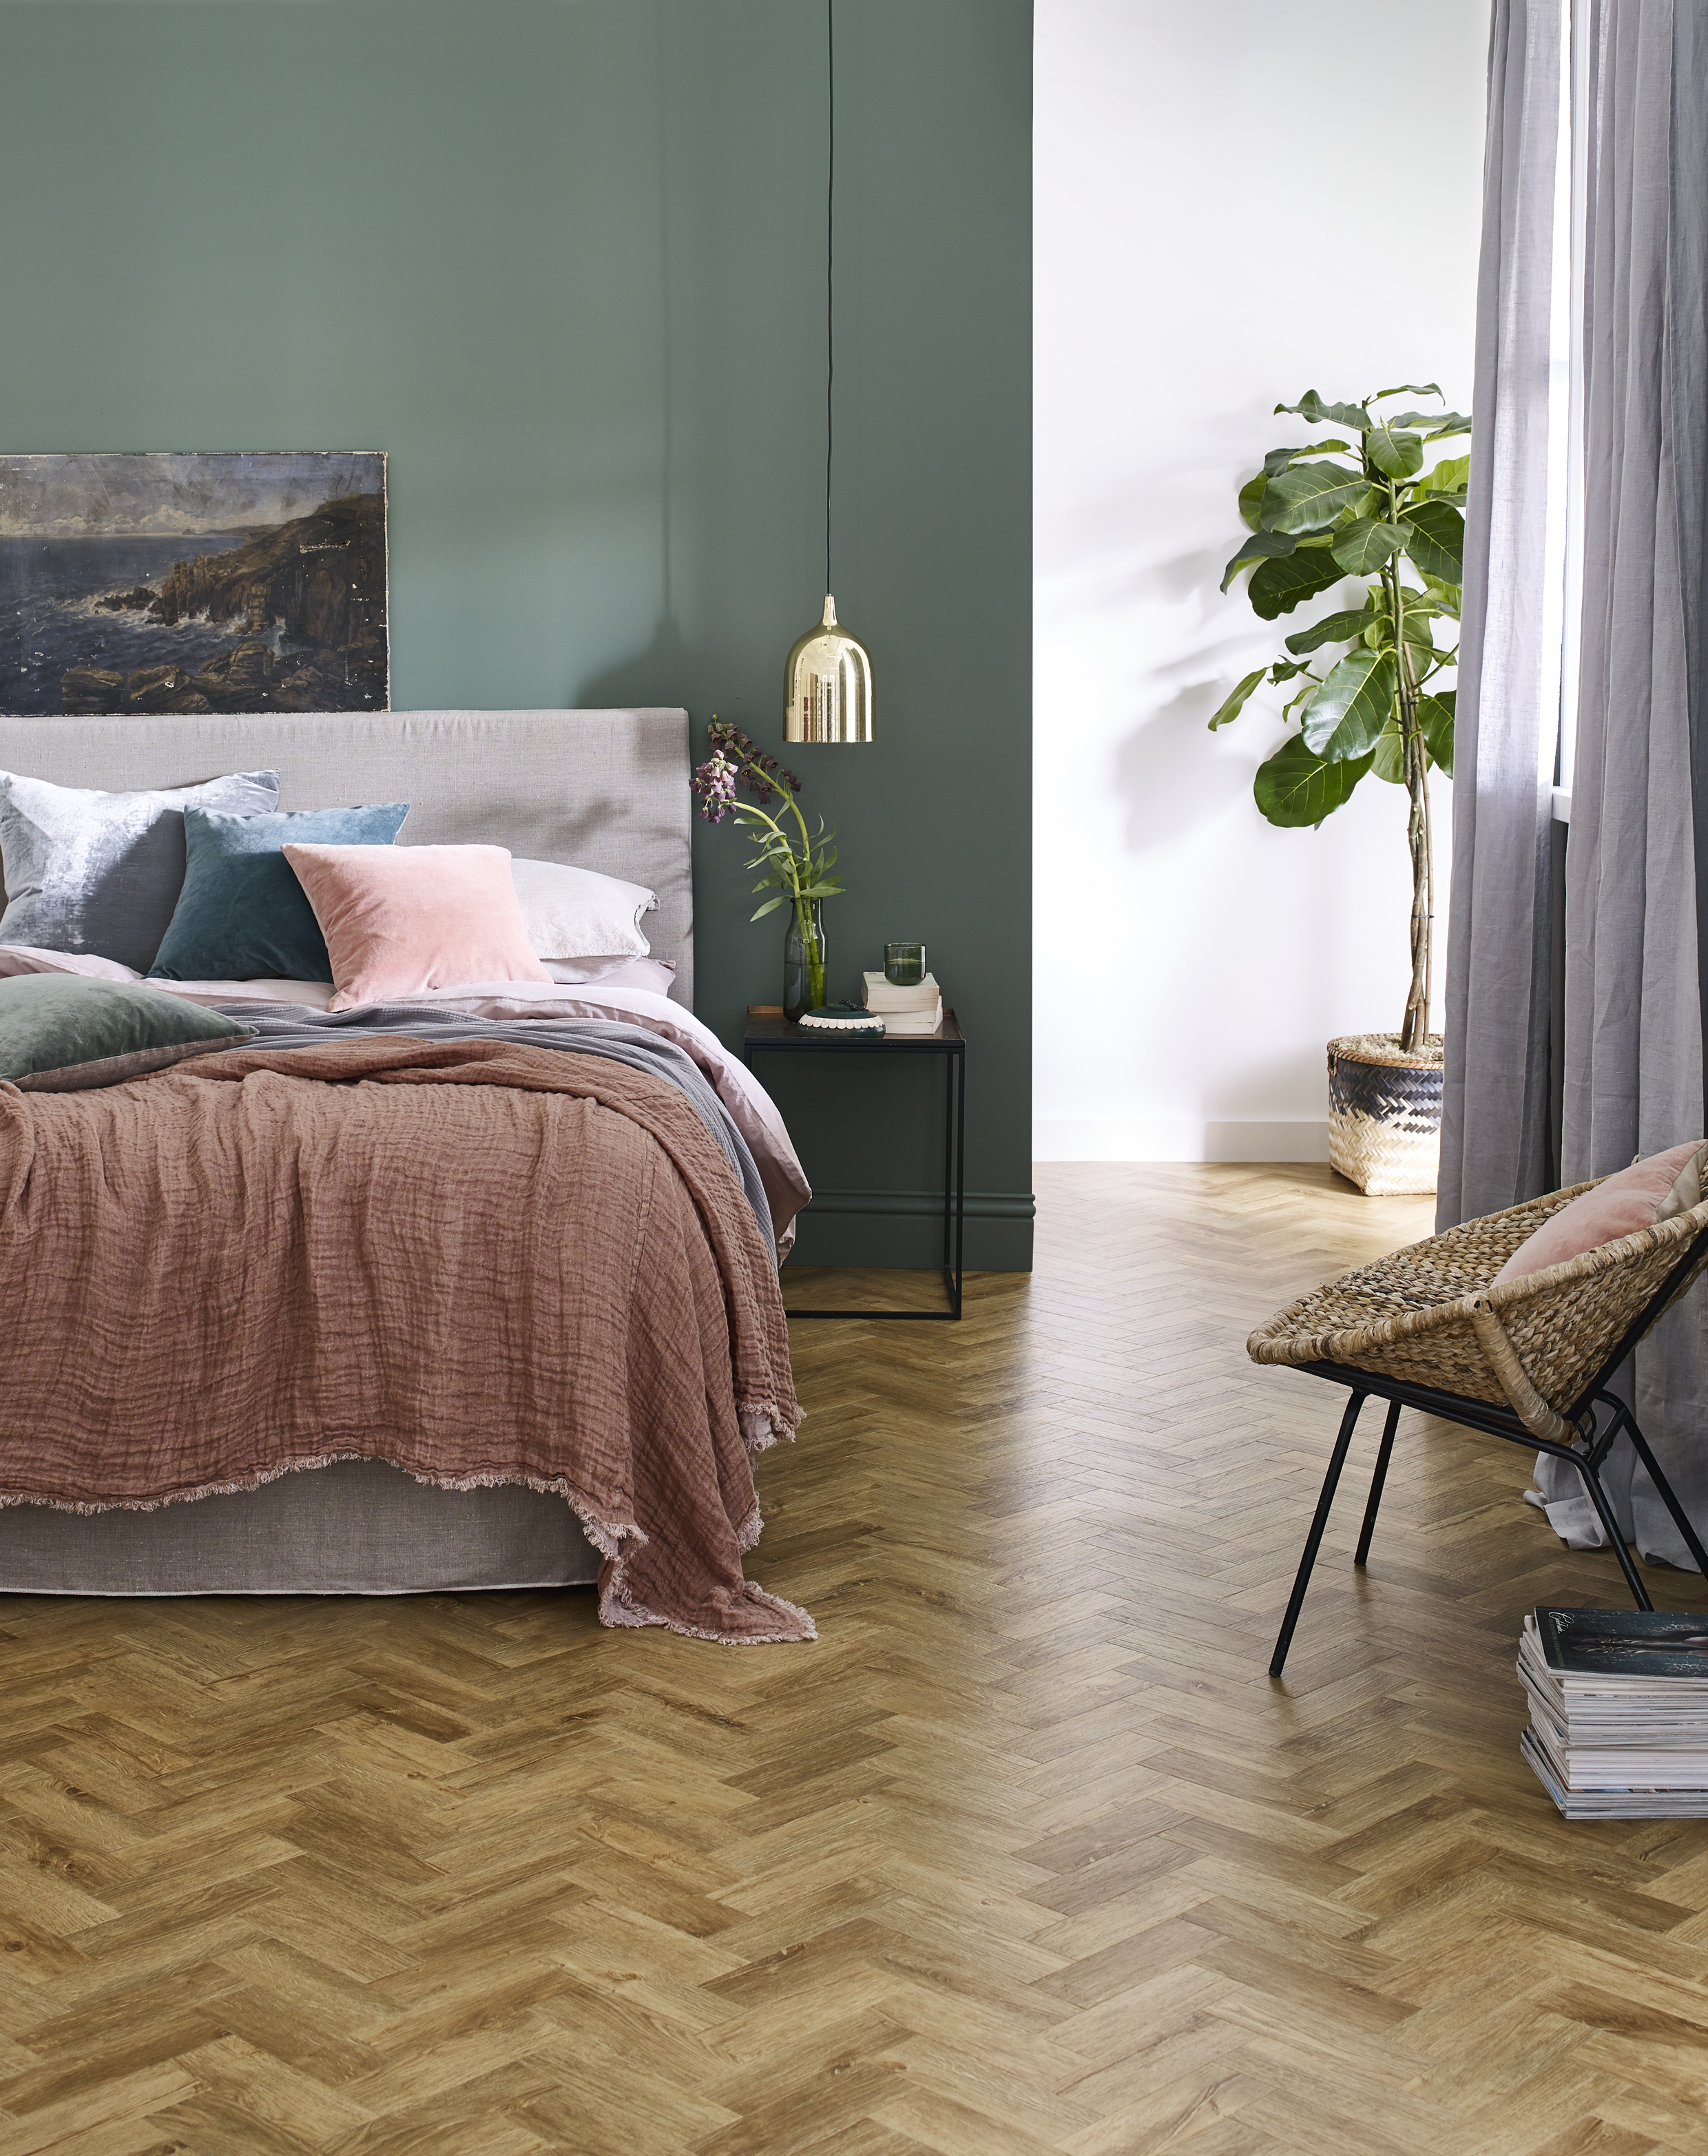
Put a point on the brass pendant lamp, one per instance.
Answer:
(829, 679)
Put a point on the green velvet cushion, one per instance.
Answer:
(59, 1034)
(242, 915)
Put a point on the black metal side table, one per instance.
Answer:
(777, 1034)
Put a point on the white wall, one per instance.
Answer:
(1234, 203)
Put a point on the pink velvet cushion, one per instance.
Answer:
(1619, 1206)
(400, 919)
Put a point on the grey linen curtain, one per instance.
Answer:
(1634, 1002)
(1496, 1117)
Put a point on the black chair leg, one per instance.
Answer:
(1610, 1527)
(1692, 1541)
(1376, 1482)
(1313, 1541)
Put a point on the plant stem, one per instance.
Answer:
(808, 926)
(1414, 1027)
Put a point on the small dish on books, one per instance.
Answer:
(842, 1018)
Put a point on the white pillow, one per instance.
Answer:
(578, 919)
(654, 975)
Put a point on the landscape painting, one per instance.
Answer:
(215, 582)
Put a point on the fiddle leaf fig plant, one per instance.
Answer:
(1369, 504)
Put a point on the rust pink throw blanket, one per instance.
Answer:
(479, 1262)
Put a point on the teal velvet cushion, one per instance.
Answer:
(60, 1035)
(242, 915)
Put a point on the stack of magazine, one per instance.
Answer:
(1619, 1710)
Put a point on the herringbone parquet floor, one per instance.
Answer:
(1025, 1854)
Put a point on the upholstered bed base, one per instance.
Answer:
(358, 1527)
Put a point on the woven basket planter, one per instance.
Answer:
(1384, 1113)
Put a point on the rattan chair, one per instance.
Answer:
(1528, 1360)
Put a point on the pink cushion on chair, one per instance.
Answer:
(1619, 1206)
(400, 919)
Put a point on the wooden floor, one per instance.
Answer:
(1025, 1854)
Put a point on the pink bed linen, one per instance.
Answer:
(786, 1189)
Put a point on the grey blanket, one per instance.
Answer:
(296, 1025)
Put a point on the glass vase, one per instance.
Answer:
(804, 959)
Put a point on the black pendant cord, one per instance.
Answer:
(829, 279)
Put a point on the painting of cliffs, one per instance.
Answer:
(212, 582)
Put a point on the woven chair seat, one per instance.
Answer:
(1430, 1315)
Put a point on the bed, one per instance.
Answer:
(605, 790)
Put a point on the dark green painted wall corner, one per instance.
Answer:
(563, 260)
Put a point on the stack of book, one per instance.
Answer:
(917, 1009)
(1619, 1710)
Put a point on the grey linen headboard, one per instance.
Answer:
(604, 790)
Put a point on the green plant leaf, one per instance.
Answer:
(770, 906)
(1397, 455)
(1284, 670)
(1277, 587)
(1294, 788)
(1409, 389)
(1435, 715)
(1312, 407)
(1435, 539)
(1446, 595)
(1363, 547)
(1334, 628)
(1260, 545)
(1431, 423)
(1389, 761)
(1307, 689)
(1450, 476)
(1306, 496)
(1251, 497)
(1355, 702)
(1234, 703)
(1277, 461)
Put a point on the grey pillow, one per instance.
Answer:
(102, 872)
(60, 1035)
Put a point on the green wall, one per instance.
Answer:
(563, 260)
